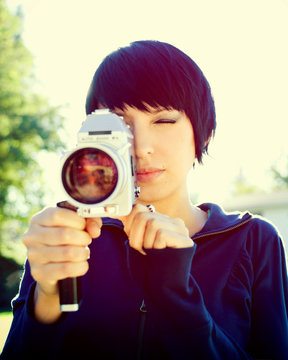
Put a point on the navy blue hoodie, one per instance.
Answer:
(224, 298)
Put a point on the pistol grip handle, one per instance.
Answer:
(70, 294)
(69, 289)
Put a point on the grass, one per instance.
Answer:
(5, 322)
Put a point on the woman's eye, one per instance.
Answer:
(165, 121)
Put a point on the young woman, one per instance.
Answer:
(181, 282)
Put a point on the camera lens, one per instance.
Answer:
(89, 175)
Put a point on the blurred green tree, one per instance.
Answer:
(29, 125)
(241, 185)
(280, 173)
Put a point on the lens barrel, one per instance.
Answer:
(89, 175)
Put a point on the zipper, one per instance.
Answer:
(143, 309)
(140, 330)
(142, 314)
(200, 236)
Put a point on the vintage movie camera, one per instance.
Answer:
(98, 175)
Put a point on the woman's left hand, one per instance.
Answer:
(152, 230)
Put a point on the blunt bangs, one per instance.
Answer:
(136, 76)
(159, 75)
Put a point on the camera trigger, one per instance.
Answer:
(66, 205)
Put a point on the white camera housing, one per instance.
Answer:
(97, 176)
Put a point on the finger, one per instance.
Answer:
(162, 239)
(54, 236)
(136, 227)
(59, 217)
(93, 227)
(137, 231)
(53, 272)
(167, 238)
(151, 229)
(162, 231)
(129, 220)
(126, 220)
(57, 254)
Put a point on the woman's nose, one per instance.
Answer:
(143, 144)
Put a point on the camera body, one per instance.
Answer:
(98, 175)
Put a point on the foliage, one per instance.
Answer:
(29, 125)
(280, 173)
(10, 274)
(242, 186)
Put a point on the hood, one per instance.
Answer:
(219, 220)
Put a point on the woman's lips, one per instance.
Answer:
(148, 175)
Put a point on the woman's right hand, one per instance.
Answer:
(57, 247)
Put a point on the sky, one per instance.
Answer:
(241, 46)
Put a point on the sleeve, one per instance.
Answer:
(187, 330)
(269, 331)
(27, 337)
(175, 302)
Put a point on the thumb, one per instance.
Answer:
(93, 227)
(128, 219)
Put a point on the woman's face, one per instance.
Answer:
(164, 151)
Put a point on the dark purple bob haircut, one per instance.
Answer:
(160, 75)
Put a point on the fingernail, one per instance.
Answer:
(88, 257)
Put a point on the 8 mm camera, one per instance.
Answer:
(98, 175)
